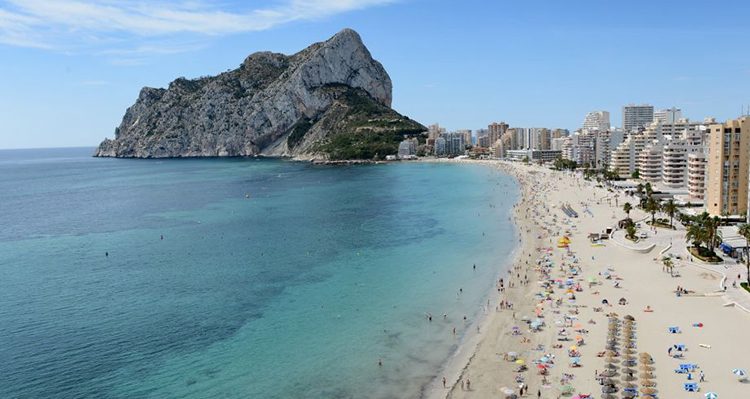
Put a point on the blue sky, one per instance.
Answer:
(69, 68)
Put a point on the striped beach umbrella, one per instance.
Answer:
(712, 395)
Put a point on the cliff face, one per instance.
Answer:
(273, 104)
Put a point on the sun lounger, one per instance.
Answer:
(691, 387)
(674, 330)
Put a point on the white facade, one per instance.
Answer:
(668, 116)
(596, 121)
(649, 162)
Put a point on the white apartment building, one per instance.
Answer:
(668, 116)
(596, 121)
(624, 158)
(649, 162)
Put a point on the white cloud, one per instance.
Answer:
(73, 25)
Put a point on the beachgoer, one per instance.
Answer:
(468, 384)
(444, 381)
(463, 385)
(380, 362)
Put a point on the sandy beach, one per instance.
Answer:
(557, 325)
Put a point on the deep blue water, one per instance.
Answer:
(294, 292)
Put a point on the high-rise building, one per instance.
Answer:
(467, 136)
(434, 131)
(668, 116)
(596, 121)
(676, 157)
(496, 130)
(407, 148)
(649, 162)
(635, 117)
(440, 146)
(697, 175)
(727, 167)
(455, 142)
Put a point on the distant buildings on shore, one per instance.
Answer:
(703, 163)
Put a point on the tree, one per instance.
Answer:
(630, 231)
(652, 206)
(670, 208)
(696, 234)
(648, 189)
(636, 174)
(744, 230)
(712, 228)
(639, 189)
(627, 208)
(704, 229)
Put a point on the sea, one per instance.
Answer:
(242, 277)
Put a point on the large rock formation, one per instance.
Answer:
(330, 100)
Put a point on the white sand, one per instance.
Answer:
(480, 359)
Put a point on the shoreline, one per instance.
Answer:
(455, 368)
(600, 271)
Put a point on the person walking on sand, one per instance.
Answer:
(538, 393)
(468, 384)
(444, 382)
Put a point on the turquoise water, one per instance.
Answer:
(294, 292)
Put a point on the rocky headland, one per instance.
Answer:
(329, 101)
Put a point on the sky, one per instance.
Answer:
(70, 68)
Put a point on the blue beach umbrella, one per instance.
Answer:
(712, 395)
(739, 372)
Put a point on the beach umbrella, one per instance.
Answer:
(647, 376)
(575, 360)
(630, 352)
(739, 372)
(608, 373)
(711, 395)
(629, 317)
(648, 391)
(628, 378)
(567, 389)
(609, 396)
(608, 381)
(645, 367)
(628, 370)
(629, 385)
(609, 389)
(520, 361)
(648, 383)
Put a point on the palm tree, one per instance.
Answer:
(630, 230)
(696, 234)
(744, 230)
(639, 189)
(712, 228)
(648, 189)
(652, 207)
(670, 208)
(627, 208)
